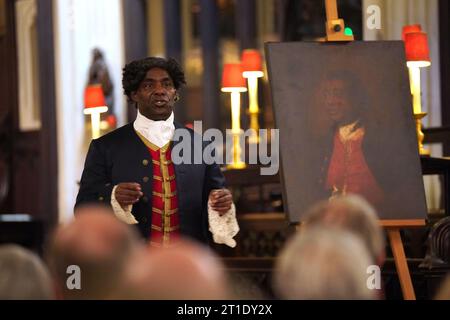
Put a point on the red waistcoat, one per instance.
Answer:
(165, 219)
(348, 171)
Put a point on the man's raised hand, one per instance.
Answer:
(128, 193)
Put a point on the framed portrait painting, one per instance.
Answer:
(346, 125)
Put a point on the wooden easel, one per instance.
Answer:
(335, 28)
(393, 230)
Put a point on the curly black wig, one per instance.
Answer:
(135, 71)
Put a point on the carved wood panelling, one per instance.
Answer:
(28, 68)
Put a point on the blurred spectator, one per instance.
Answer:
(100, 245)
(354, 214)
(185, 271)
(23, 276)
(323, 263)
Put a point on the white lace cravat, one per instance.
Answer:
(157, 132)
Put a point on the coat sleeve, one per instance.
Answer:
(95, 185)
(214, 177)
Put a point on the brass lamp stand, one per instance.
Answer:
(420, 136)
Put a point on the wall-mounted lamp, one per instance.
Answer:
(409, 29)
(417, 56)
(233, 82)
(252, 70)
(94, 105)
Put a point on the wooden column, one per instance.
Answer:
(209, 34)
(444, 47)
(135, 35)
(174, 45)
(172, 29)
(8, 107)
(48, 138)
(246, 35)
(246, 23)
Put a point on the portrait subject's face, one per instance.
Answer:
(337, 104)
(155, 96)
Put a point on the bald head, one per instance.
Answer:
(353, 214)
(94, 232)
(99, 244)
(321, 263)
(185, 271)
(23, 276)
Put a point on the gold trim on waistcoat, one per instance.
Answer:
(166, 195)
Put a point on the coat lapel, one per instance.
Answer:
(180, 173)
(142, 162)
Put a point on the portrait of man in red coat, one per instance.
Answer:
(344, 112)
(346, 167)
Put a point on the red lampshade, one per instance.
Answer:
(94, 97)
(410, 29)
(416, 45)
(232, 77)
(251, 60)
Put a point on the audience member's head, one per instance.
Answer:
(183, 272)
(23, 276)
(323, 263)
(354, 214)
(444, 291)
(100, 245)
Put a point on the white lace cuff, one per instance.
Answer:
(225, 227)
(123, 215)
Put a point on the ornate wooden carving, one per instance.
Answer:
(438, 254)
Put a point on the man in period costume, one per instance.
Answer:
(131, 168)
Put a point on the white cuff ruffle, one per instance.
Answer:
(123, 215)
(225, 227)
